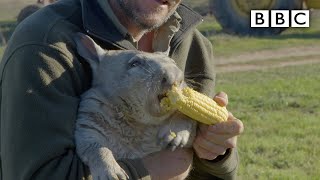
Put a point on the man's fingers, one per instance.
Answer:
(221, 98)
(209, 146)
(214, 140)
(222, 139)
(203, 153)
(232, 127)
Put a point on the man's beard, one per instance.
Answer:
(141, 19)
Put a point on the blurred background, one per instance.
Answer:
(270, 74)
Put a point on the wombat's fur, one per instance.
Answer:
(120, 115)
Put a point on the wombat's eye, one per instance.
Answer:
(134, 63)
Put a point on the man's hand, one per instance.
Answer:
(212, 141)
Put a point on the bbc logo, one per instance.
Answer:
(280, 18)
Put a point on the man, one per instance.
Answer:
(42, 77)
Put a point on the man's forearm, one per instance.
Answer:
(169, 164)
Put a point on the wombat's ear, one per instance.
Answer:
(88, 49)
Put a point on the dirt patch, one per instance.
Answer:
(252, 67)
(269, 59)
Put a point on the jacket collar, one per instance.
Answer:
(98, 24)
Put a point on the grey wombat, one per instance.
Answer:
(120, 115)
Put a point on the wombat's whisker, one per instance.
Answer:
(152, 70)
(148, 88)
(145, 79)
(148, 80)
(157, 88)
(154, 88)
(145, 69)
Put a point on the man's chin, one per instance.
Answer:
(151, 24)
(152, 19)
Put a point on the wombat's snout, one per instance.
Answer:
(172, 76)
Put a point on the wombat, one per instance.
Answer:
(120, 115)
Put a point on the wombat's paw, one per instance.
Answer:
(178, 139)
(112, 172)
(109, 169)
(177, 133)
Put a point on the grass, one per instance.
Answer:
(1, 51)
(229, 45)
(9, 9)
(201, 6)
(280, 110)
(6, 29)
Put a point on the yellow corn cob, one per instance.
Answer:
(195, 105)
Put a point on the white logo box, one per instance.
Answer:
(280, 18)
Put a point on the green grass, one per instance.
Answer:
(192, 3)
(1, 51)
(201, 6)
(6, 28)
(209, 26)
(280, 109)
(9, 9)
(229, 45)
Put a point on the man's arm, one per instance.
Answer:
(40, 89)
(195, 55)
(169, 164)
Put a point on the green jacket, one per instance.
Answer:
(42, 78)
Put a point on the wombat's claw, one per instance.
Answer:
(176, 133)
(122, 175)
(109, 169)
(173, 140)
(165, 141)
(178, 142)
(173, 134)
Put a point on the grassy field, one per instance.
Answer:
(1, 51)
(280, 109)
(9, 9)
(228, 45)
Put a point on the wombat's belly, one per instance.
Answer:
(137, 145)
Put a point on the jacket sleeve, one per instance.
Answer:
(40, 92)
(195, 55)
(223, 167)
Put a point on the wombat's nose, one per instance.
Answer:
(172, 77)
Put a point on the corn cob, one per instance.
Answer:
(195, 105)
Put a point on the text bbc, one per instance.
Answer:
(280, 18)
